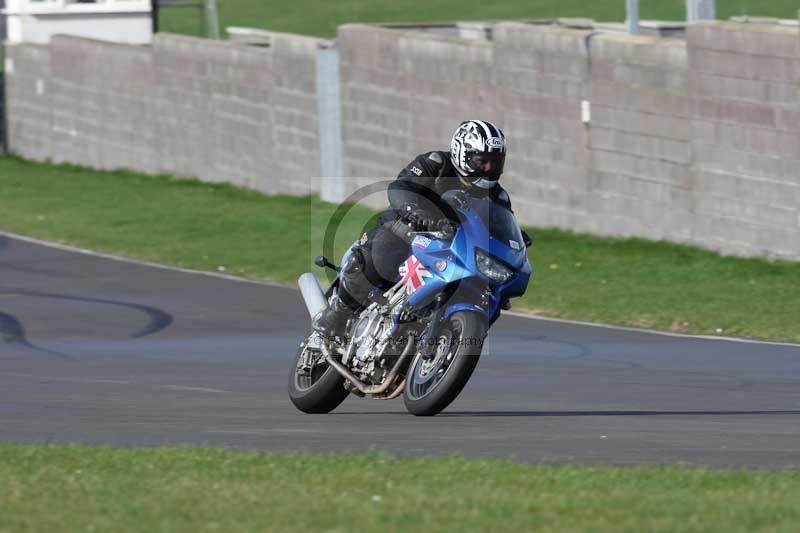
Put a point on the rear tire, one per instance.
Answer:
(321, 391)
(432, 385)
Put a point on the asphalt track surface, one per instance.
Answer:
(105, 351)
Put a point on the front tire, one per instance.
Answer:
(318, 390)
(433, 384)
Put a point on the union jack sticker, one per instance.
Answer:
(414, 274)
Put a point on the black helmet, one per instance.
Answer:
(478, 151)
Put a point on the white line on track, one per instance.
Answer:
(196, 389)
(651, 331)
(162, 266)
(68, 379)
(102, 381)
(122, 259)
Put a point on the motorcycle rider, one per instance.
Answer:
(474, 164)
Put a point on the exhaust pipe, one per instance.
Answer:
(372, 389)
(313, 296)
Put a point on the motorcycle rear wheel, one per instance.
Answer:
(321, 391)
(433, 384)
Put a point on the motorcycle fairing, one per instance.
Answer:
(460, 265)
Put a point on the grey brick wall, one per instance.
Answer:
(28, 101)
(640, 137)
(219, 111)
(403, 93)
(237, 113)
(214, 103)
(541, 77)
(3, 27)
(746, 137)
(101, 100)
(295, 141)
(694, 140)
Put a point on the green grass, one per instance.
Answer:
(315, 17)
(82, 488)
(182, 222)
(208, 226)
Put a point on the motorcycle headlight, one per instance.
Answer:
(491, 267)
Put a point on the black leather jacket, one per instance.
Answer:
(422, 182)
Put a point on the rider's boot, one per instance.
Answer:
(351, 296)
(333, 319)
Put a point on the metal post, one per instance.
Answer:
(329, 112)
(3, 103)
(154, 14)
(212, 20)
(709, 9)
(701, 10)
(632, 15)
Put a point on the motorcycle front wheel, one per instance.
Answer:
(433, 383)
(319, 389)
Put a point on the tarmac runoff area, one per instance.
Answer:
(104, 350)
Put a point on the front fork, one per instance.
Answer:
(430, 335)
(484, 303)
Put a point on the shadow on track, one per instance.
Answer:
(616, 413)
(533, 414)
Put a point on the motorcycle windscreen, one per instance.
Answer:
(501, 223)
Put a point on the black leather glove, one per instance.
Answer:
(527, 239)
(417, 218)
(401, 230)
(446, 227)
(406, 210)
(422, 221)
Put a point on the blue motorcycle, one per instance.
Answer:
(423, 337)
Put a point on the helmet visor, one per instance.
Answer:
(488, 165)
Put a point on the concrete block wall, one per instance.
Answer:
(28, 100)
(214, 107)
(295, 134)
(746, 137)
(694, 140)
(404, 93)
(188, 72)
(639, 136)
(238, 113)
(539, 79)
(3, 132)
(219, 111)
(101, 98)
